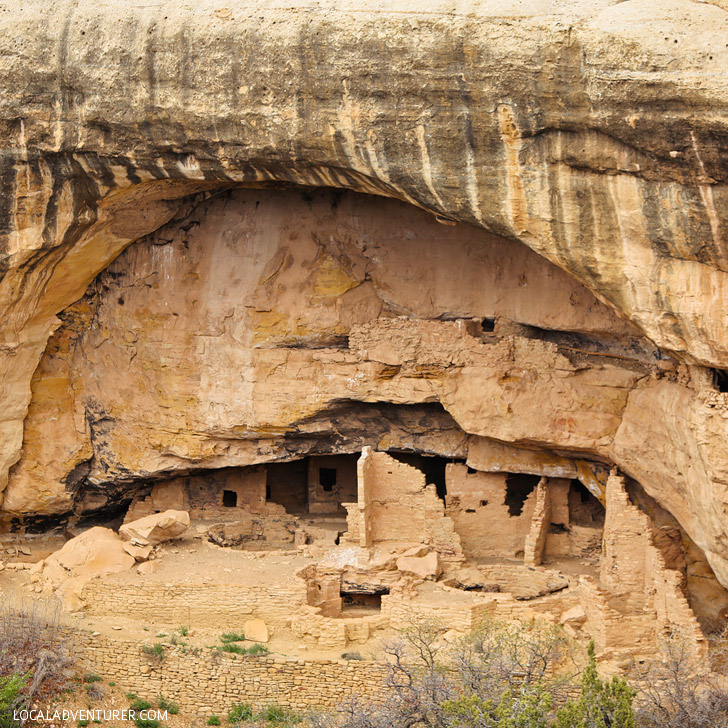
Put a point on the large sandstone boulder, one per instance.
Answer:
(94, 553)
(424, 567)
(256, 630)
(157, 528)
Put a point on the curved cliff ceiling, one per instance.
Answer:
(592, 132)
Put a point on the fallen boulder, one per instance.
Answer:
(256, 630)
(96, 552)
(425, 567)
(155, 529)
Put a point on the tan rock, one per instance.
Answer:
(574, 617)
(140, 553)
(147, 567)
(157, 528)
(256, 630)
(96, 552)
(425, 567)
(521, 320)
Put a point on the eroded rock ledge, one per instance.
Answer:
(558, 303)
(292, 328)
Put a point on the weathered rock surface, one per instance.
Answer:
(592, 132)
(256, 630)
(423, 567)
(96, 552)
(156, 529)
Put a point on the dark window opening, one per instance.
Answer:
(470, 510)
(327, 478)
(471, 471)
(720, 380)
(432, 466)
(518, 487)
(584, 507)
(484, 503)
(488, 325)
(229, 498)
(287, 485)
(558, 528)
(370, 599)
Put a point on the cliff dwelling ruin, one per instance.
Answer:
(316, 323)
(425, 415)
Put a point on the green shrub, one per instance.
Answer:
(11, 690)
(131, 696)
(232, 637)
(83, 722)
(156, 650)
(256, 649)
(232, 647)
(515, 709)
(213, 720)
(240, 712)
(601, 703)
(279, 716)
(171, 707)
(183, 630)
(146, 722)
(351, 656)
(91, 677)
(139, 704)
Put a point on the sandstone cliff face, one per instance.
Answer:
(215, 339)
(593, 133)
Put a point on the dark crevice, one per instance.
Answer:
(518, 487)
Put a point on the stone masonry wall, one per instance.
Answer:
(395, 506)
(204, 605)
(206, 682)
(476, 504)
(638, 599)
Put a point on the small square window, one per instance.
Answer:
(229, 498)
(327, 478)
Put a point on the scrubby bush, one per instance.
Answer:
(139, 704)
(95, 691)
(680, 689)
(234, 648)
(146, 722)
(503, 676)
(170, 706)
(277, 715)
(12, 688)
(213, 720)
(34, 654)
(232, 637)
(602, 703)
(240, 712)
(258, 649)
(156, 651)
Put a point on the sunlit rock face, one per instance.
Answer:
(244, 330)
(251, 326)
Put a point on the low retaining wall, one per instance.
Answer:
(209, 682)
(204, 605)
